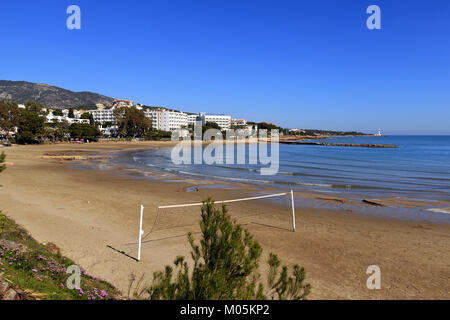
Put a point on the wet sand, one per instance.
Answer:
(92, 215)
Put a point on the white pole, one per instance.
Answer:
(293, 211)
(141, 232)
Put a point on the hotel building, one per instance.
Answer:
(103, 115)
(223, 121)
(167, 120)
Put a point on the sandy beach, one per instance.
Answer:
(92, 215)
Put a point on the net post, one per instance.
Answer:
(293, 211)
(140, 233)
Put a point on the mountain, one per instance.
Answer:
(48, 96)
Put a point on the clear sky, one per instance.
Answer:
(300, 64)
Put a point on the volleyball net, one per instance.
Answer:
(171, 221)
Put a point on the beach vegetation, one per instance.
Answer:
(132, 122)
(210, 125)
(56, 131)
(9, 116)
(31, 128)
(2, 162)
(84, 131)
(225, 266)
(205, 127)
(39, 271)
(155, 134)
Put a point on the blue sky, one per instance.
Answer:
(306, 64)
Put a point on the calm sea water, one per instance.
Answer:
(419, 168)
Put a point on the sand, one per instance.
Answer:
(92, 215)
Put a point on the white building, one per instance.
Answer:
(103, 115)
(111, 131)
(167, 120)
(50, 118)
(223, 121)
(192, 118)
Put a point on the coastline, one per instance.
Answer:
(405, 207)
(44, 193)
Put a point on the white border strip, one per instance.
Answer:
(224, 201)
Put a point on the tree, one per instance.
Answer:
(88, 115)
(62, 131)
(30, 128)
(71, 114)
(210, 125)
(155, 134)
(107, 124)
(282, 286)
(33, 106)
(58, 113)
(132, 122)
(49, 132)
(84, 131)
(225, 266)
(2, 161)
(9, 116)
(56, 131)
(205, 127)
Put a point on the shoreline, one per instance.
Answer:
(85, 211)
(403, 208)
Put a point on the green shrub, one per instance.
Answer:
(2, 161)
(225, 267)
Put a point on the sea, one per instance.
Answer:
(418, 169)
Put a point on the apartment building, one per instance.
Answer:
(192, 118)
(167, 120)
(223, 121)
(103, 115)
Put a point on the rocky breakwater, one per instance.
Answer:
(330, 144)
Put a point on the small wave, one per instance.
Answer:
(440, 210)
